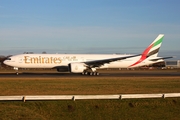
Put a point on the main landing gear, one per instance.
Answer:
(90, 73)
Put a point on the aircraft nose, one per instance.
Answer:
(5, 62)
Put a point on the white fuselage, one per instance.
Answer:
(57, 60)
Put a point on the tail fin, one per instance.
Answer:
(153, 49)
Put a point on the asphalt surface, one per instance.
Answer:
(147, 73)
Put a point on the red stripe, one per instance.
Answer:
(143, 56)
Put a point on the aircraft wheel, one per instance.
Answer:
(84, 73)
(91, 73)
(94, 73)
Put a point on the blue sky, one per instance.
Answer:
(94, 26)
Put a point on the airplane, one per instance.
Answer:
(87, 64)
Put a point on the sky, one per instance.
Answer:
(88, 26)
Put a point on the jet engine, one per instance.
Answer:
(77, 67)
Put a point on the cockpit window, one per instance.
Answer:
(8, 58)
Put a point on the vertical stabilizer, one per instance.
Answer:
(153, 49)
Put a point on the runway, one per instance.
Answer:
(141, 73)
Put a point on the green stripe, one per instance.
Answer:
(158, 42)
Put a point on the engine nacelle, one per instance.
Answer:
(77, 67)
(63, 69)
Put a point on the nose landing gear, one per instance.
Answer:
(16, 69)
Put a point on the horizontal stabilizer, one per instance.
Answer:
(159, 58)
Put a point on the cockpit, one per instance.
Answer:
(9, 61)
(8, 58)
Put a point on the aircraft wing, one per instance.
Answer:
(159, 58)
(97, 63)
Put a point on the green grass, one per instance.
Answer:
(132, 109)
(90, 85)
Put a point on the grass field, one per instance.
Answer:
(89, 85)
(134, 109)
(139, 109)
